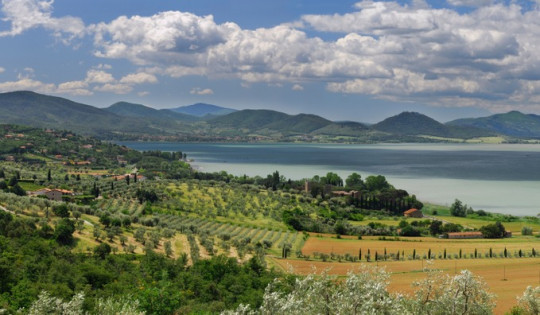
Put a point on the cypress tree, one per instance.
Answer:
(360, 254)
(49, 176)
(414, 254)
(444, 254)
(429, 254)
(475, 253)
(505, 253)
(460, 253)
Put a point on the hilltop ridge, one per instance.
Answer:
(205, 122)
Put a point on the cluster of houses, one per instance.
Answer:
(411, 213)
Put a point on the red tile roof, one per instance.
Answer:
(410, 211)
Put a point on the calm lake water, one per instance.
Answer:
(498, 178)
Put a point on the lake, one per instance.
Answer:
(501, 178)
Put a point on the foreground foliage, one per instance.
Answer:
(32, 262)
(366, 292)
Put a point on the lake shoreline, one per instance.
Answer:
(498, 178)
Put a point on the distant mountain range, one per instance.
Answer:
(203, 110)
(141, 111)
(204, 122)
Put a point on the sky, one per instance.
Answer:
(343, 60)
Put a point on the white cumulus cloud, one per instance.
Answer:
(161, 36)
(139, 78)
(27, 14)
(485, 56)
(98, 76)
(469, 3)
(27, 84)
(116, 88)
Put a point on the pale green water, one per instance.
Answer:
(498, 178)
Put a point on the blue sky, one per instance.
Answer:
(344, 60)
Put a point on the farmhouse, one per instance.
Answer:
(413, 213)
(51, 194)
(131, 176)
(463, 235)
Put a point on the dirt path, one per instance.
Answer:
(7, 210)
(182, 238)
(202, 250)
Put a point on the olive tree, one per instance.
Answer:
(365, 293)
(361, 293)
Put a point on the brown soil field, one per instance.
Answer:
(422, 245)
(518, 272)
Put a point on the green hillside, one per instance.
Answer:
(415, 124)
(412, 123)
(249, 118)
(348, 128)
(141, 111)
(302, 123)
(514, 123)
(37, 110)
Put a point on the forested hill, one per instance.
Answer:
(140, 111)
(412, 123)
(203, 110)
(513, 123)
(271, 120)
(38, 110)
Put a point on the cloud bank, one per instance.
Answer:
(486, 57)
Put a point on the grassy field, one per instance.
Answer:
(443, 213)
(507, 278)
(30, 186)
(385, 220)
